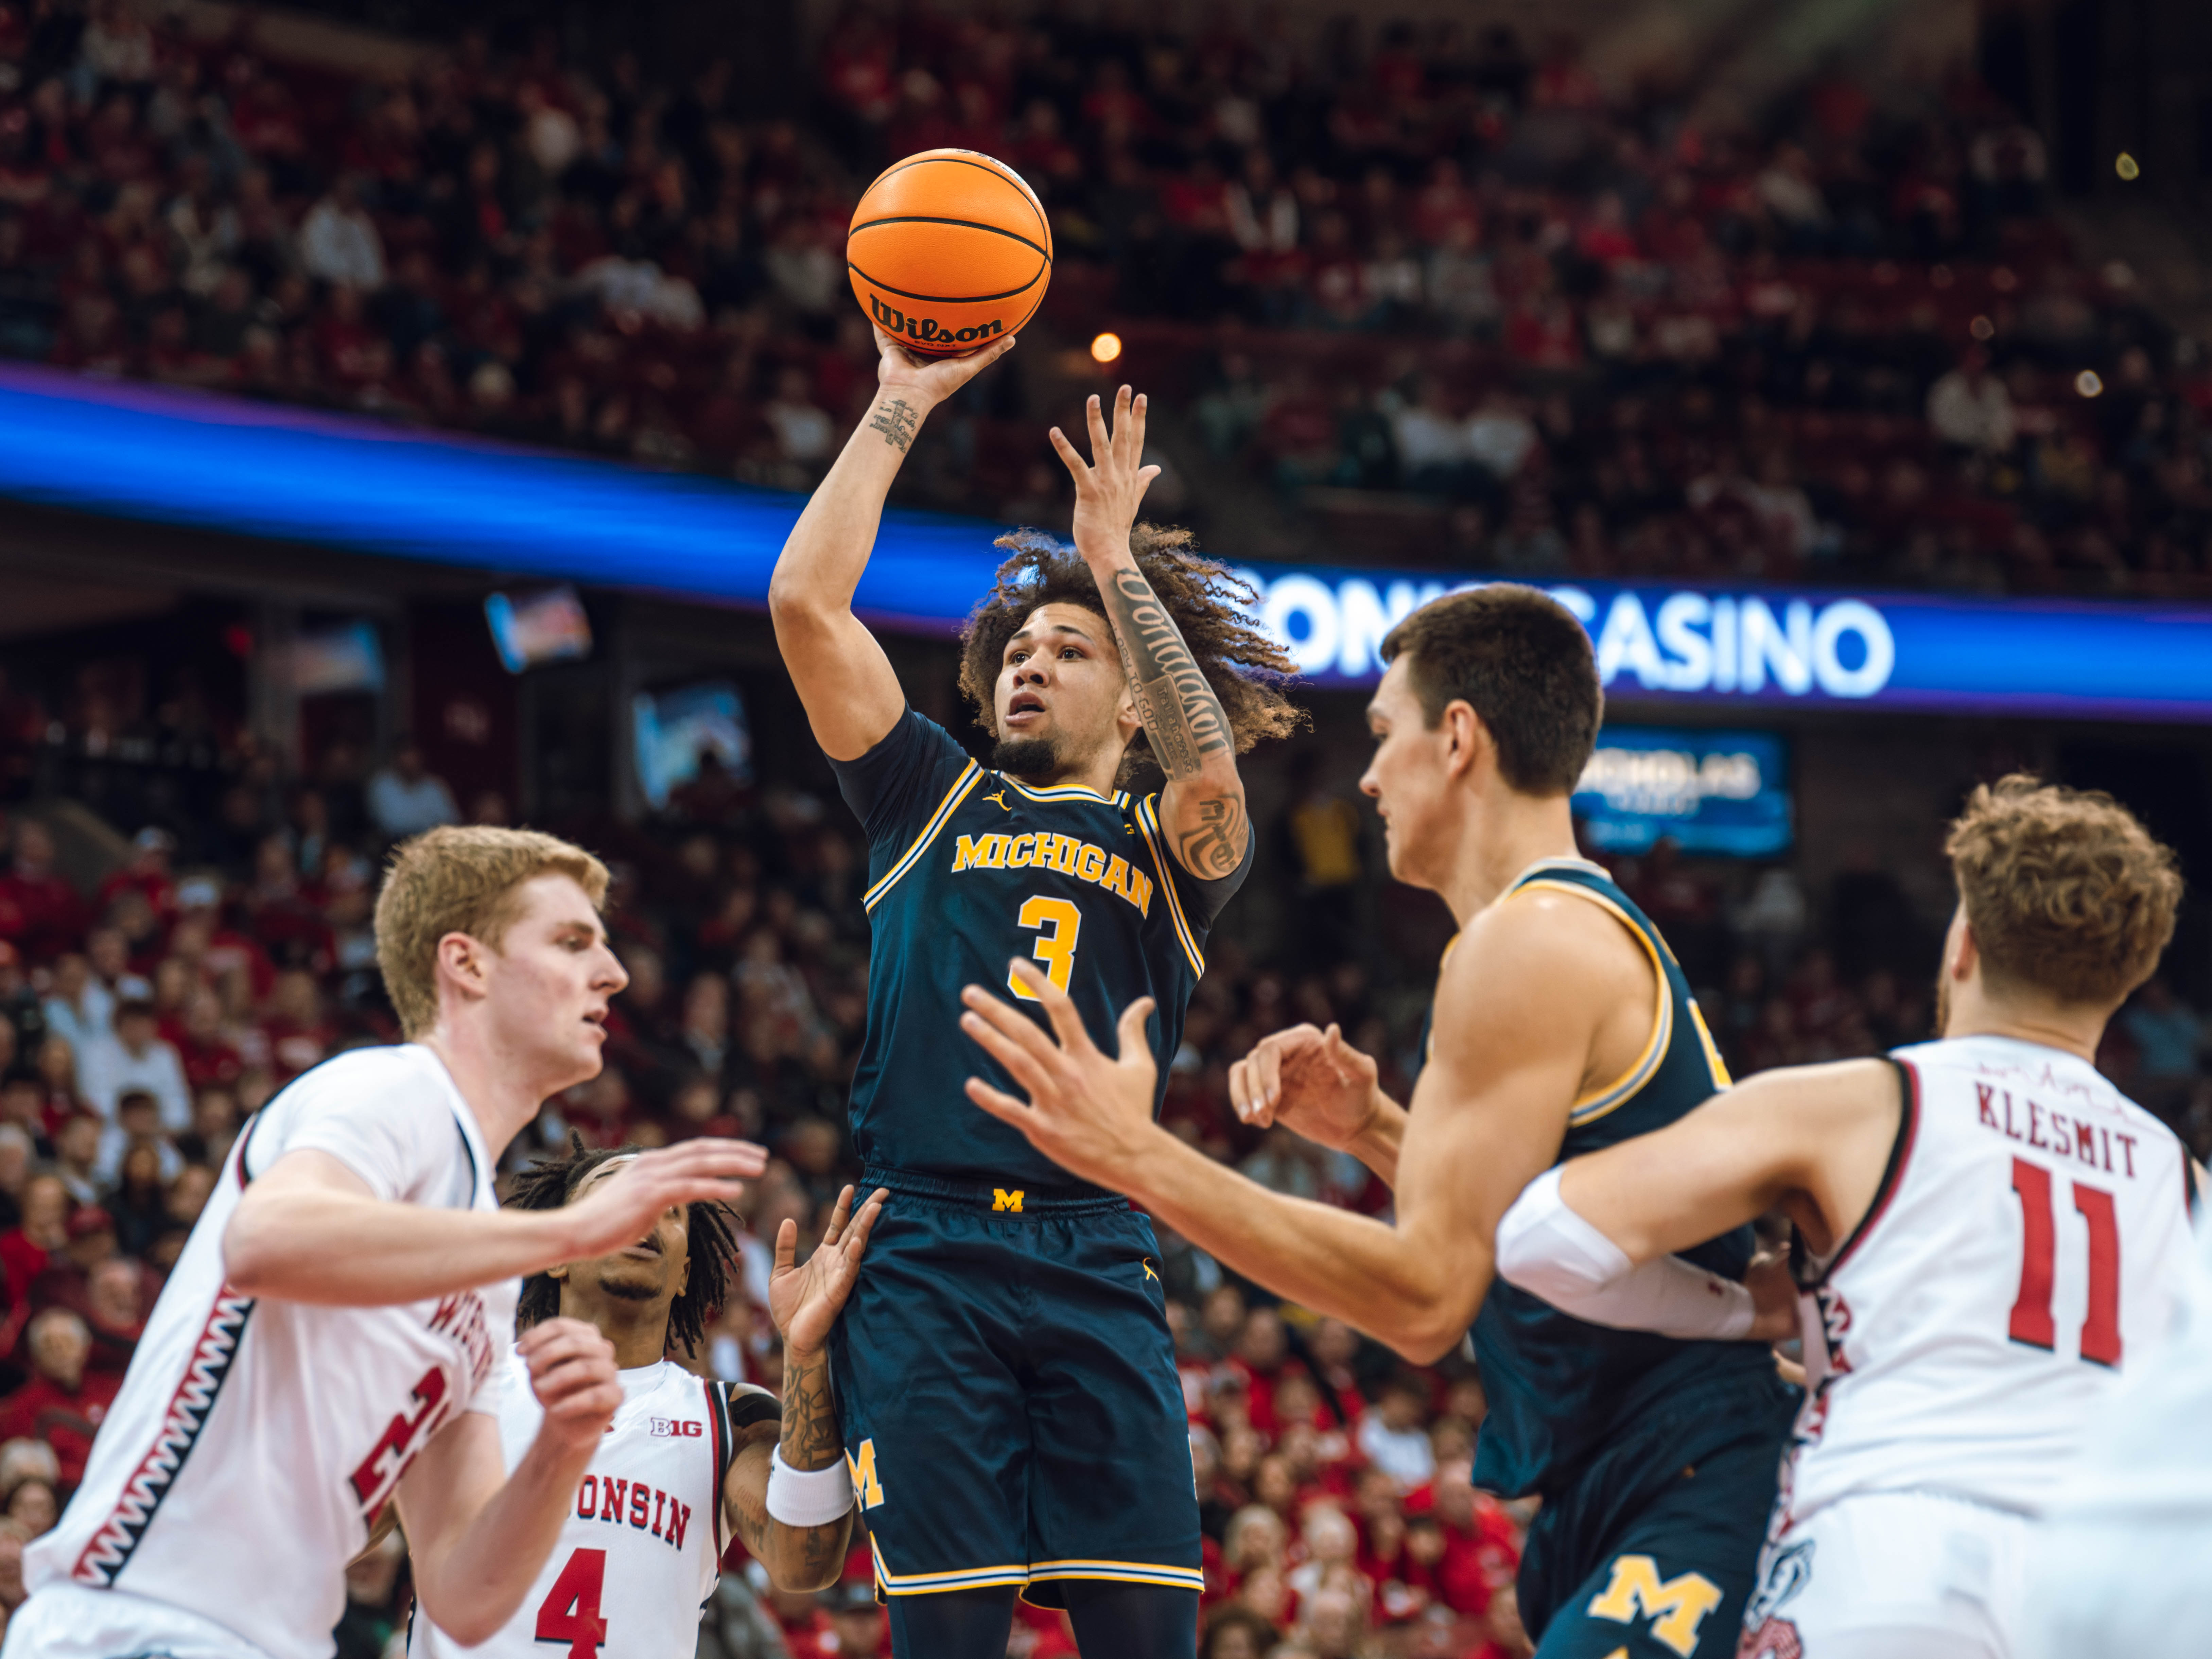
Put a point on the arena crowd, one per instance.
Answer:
(144, 1017)
(1451, 297)
(1426, 279)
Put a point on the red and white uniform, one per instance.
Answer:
(254, 1442)
(643, 1542)
(2030, 1239)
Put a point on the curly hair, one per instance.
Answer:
(2064, 888)
(549, 1183)
(1210, 606)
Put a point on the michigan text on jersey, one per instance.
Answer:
(1069, 854)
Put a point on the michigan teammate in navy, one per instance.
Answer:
(1004, 1378)
(1561, 1024)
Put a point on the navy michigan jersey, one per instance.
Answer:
(1559, 1387)
(969, 868)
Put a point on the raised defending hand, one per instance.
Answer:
(932, 380)
(572, 1372)
(624, 1207)
(1087, 1113)
(1307, 1080)
(804, 1302)
(1110, 490)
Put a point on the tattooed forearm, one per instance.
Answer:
(810, 1435)
(796, 1557)
(1216, 847)
(897, 421)
(1182, 717)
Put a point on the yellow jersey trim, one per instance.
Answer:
(929, 1583)
(1066, 791)
(1127, 1573)
(967, 780)
(1595, 1104)
(1148, 826)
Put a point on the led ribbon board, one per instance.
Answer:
(168, 457)
(1707, 792)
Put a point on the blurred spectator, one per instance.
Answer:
(1970, 406)
(2171, 1041)
(1392, 1434)
(61, 1404)
(39, 912)
(404, 800)
(133, 1056)
(338, 241)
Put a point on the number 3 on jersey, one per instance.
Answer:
(1060, 921)
(570, 1612)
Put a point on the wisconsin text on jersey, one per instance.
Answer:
(611, 1498)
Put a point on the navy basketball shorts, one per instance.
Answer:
(1007, 1388)
(1654, 1550)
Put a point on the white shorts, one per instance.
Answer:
(75, 1621)
(1890, 1575)
(2117, 1584)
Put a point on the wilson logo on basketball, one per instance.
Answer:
(896, 321)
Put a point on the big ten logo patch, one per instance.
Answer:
(1675, 1607)
(671, 1428)
(862, 1465)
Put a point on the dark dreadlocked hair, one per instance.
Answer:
(550, 1183)
(1209, 605)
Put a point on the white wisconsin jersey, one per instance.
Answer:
(254, 1442)
(2031, 1238)
(643, 1542)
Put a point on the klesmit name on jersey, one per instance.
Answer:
(1069, 854)
(2033, 1124)
(638, 1504)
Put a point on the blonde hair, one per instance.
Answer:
(456, 881)
(2064, 888)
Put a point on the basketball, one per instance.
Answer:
(949, 250)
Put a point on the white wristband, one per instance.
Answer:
(1549, 1250)
(807, 1498)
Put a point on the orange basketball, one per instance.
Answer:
(949, 250)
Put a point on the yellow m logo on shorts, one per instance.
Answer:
(1676, 1608)
(863, 1469)
(1003, 1200)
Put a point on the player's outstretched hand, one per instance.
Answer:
(932, 378)
(572, 1372)
(624, 1207)
(1086, 1112)
(804, 1302)
(1109, 489)
(1307, 1080)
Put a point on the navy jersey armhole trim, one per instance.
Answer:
(1892, 1174)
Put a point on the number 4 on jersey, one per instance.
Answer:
(570, 1612)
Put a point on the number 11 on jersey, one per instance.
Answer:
(1058, 921)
